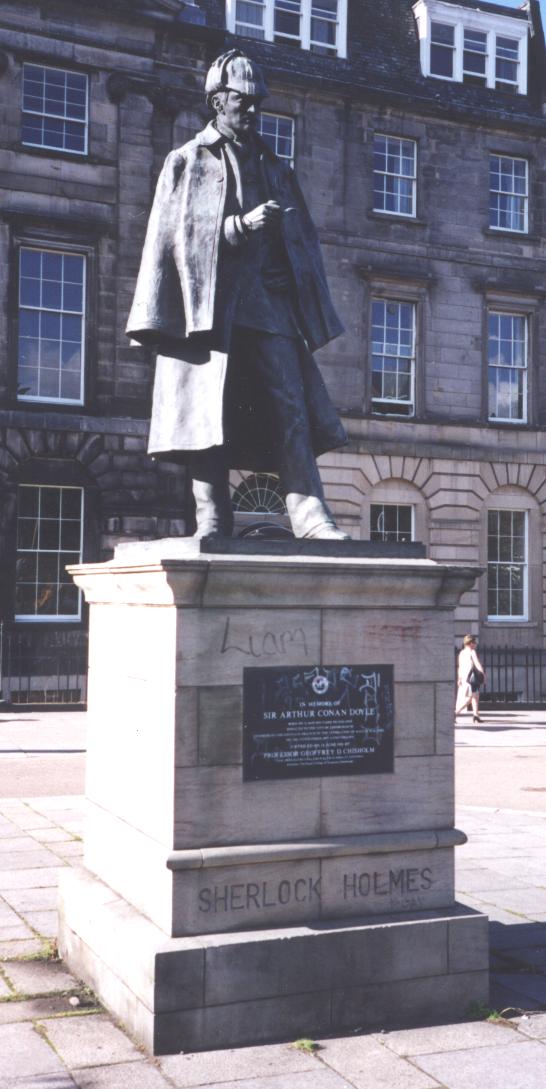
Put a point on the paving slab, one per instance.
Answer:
(39, 977)
(459, 1037)
(511, 1067)
(24, 900)
(8, 917)
(16, 842)
(89, 1040)
(137, 1075)
(59, 803)
(31, 821)
(207, 1067)
(52, 835)
(368, 1063)
(23, 860)
(19, 947)
(41, 1081)
(16, 931)
(33, 1009)
(484, 879)
(45, 923)
(24, 1053)
(523, 901)
(71, 850)
(533, 1025)
(34, 878)
(7, 829)
(312, 1079)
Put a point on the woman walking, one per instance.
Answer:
(470, 676)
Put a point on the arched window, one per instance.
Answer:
(512, 551)
(258, 494)
(396, 511)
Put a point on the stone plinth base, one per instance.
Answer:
(219, 909)
(227, 990)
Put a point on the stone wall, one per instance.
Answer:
(146, 80)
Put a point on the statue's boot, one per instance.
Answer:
(310, 518)
(213, 509)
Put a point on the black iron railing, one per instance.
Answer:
(514, 675)
(35, 673)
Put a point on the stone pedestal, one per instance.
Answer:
(213, 911)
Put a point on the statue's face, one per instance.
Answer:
(239, 112)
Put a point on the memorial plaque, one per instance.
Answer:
(305, 721)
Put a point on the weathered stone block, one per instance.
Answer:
(214, 806)
(419, 794)
(215, 645)
(220, 725)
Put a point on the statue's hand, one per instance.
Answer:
(265, 215)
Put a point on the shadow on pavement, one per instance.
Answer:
(518, 966)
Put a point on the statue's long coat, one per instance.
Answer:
(185, 298)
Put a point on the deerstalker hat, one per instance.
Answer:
(233, 71)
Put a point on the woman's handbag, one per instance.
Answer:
(475, 678)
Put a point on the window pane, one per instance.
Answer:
(68, 599)
(47, 540)
(507, 377)
(390, 522)
(507, 564)
(71, 503)
(287, 17)
(508, 193)
(50, 325)
(442, 50)
(393, 356)
(278, 133)
(394, 174)
(49, 534)
(54, 108)
(27, 533)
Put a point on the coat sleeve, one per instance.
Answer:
(157, 313)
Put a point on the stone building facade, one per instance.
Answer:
(417, 132)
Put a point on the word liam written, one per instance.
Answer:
(266, 644)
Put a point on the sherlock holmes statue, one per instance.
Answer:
(232, 294)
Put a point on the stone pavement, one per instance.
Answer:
(53, 1034)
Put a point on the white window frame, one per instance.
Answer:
(58, 117)
(492, 24)
(410, 402)
(494, 312)
(506, 618)
(48, 618)
(514, 83)
(31, 397)
(304, 38)
(524, 197)
(413, 177)
(482, 77)
(397, 507)
(280, 117)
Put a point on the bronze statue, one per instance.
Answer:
(233, 296)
